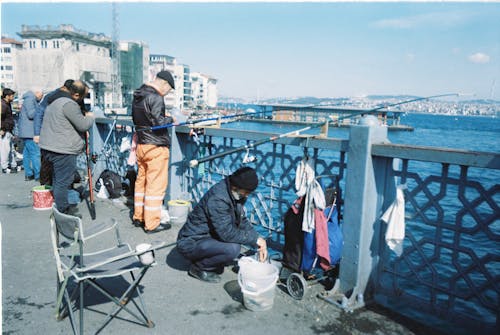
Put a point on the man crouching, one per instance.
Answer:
(217, 227)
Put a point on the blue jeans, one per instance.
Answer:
(212, 255)
(63, 175)
(31, 158)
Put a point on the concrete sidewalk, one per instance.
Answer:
(176, 302)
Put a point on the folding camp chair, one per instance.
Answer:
(77, 270)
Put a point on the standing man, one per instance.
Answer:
(26, 127)
(6, 128)
(217, 227)
(153, 150)
(63, 91)
(62, 139)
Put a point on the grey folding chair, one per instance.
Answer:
(77, 270)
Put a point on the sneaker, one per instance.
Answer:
(6, 171)
(13, 170)
(28, 178)
(206, 276)
(20, 168)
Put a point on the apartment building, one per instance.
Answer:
(48, 55)
(134, 68)
(204, 90)
(8, 62)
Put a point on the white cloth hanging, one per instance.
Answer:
(394, 216)
(307, 185)
(304, 176)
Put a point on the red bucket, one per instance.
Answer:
(42, 197)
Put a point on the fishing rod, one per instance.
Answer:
(412, 100)
(194, 122)
(193, 163)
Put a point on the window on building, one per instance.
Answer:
(6, 50)
(77, 46)
(8, 67)
(44, 44)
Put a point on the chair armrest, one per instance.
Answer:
(94, 230)
(132, 253)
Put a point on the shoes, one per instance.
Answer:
(13, 170)
(138, 223)
(28, 178)
(73, 210)
(6, 171)
(206, 276)
(157, 229)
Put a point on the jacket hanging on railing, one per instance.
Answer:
(294, 238)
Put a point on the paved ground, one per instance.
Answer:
(177, 303)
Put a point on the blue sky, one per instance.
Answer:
(294, 49)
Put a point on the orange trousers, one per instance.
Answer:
(151, 183)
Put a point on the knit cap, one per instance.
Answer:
(244, 178)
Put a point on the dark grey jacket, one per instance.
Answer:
(218, 216)
(148, 110)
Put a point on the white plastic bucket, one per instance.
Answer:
(178, 211)
(258, 282)
(42, 197)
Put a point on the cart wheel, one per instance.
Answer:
(296, 286)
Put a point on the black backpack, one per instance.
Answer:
(113, 183)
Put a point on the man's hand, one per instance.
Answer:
(36, 139)
(262, 249)
(2, 133)
(89, 114)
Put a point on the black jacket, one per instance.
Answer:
(217, 216)
(148, 110)
(7, 117)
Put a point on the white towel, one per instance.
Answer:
(304, 176)
(394, 216)
(306, 184)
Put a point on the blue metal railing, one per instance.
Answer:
(450, 262)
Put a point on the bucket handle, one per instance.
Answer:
(240, 282)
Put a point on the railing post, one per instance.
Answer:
(177, 166)
(366, 181)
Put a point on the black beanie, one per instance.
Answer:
(244, 178)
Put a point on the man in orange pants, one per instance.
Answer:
(153, 150)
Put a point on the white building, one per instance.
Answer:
(50, 55)
(157, 63)
(8, 64)
(204, 89)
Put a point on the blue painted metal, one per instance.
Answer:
(449, 266)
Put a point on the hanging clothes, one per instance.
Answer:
(306, 184)
(394, 216)
(294, 240)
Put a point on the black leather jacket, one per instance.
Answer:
(148, 110)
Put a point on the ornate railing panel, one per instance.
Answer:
(450, 262)
(450, 266)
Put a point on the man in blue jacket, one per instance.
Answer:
(26, 128)
(217, 227)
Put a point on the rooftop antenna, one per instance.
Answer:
(115, 58)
